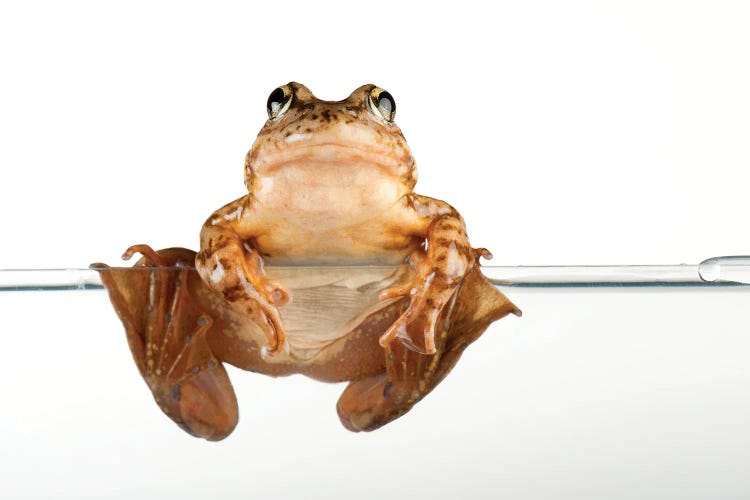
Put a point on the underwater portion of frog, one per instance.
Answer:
(330, 184)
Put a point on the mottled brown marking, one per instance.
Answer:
(387, 388)
(234, 293)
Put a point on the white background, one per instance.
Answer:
(575, 133)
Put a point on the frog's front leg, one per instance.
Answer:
(439, 271)
(228, 263)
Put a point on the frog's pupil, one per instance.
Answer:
(276, 101)
(386, 105)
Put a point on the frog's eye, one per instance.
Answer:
(381, 103)
(279, 101)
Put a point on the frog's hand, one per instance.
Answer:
(167, 333)
(439, 272)
(370, 403)
(228, 263)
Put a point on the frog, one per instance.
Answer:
(330, 266)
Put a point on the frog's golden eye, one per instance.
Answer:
(382, 104)
(279, 101)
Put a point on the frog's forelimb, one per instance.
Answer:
(440, 268)
(235, 269)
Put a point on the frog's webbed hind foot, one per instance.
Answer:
(167, 333)
(370, 403)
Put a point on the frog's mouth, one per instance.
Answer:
(332, 155)
(349, 147)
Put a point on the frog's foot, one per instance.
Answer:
(240, 280)
(150, 256)
(201, 402)
(372, 402)
(167, 333)
(364, 405)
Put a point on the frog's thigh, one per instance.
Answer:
(240, 342)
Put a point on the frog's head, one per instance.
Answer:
(330, 145)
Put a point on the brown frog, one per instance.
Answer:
(331, 266)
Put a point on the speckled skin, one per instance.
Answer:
(331, 182)
(328, 183)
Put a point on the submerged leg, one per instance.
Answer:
(370, 403)
(167, 333)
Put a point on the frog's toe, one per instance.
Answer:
(415, 329)
(369, 404)
(276, 293)
(203, 405)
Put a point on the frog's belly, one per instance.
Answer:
(327, 303)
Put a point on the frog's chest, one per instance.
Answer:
(377, 240)
(320, 200)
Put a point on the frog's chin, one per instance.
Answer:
(330, 178)
(328, 194)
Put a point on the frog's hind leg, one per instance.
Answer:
(370, 403)
(167, 333)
